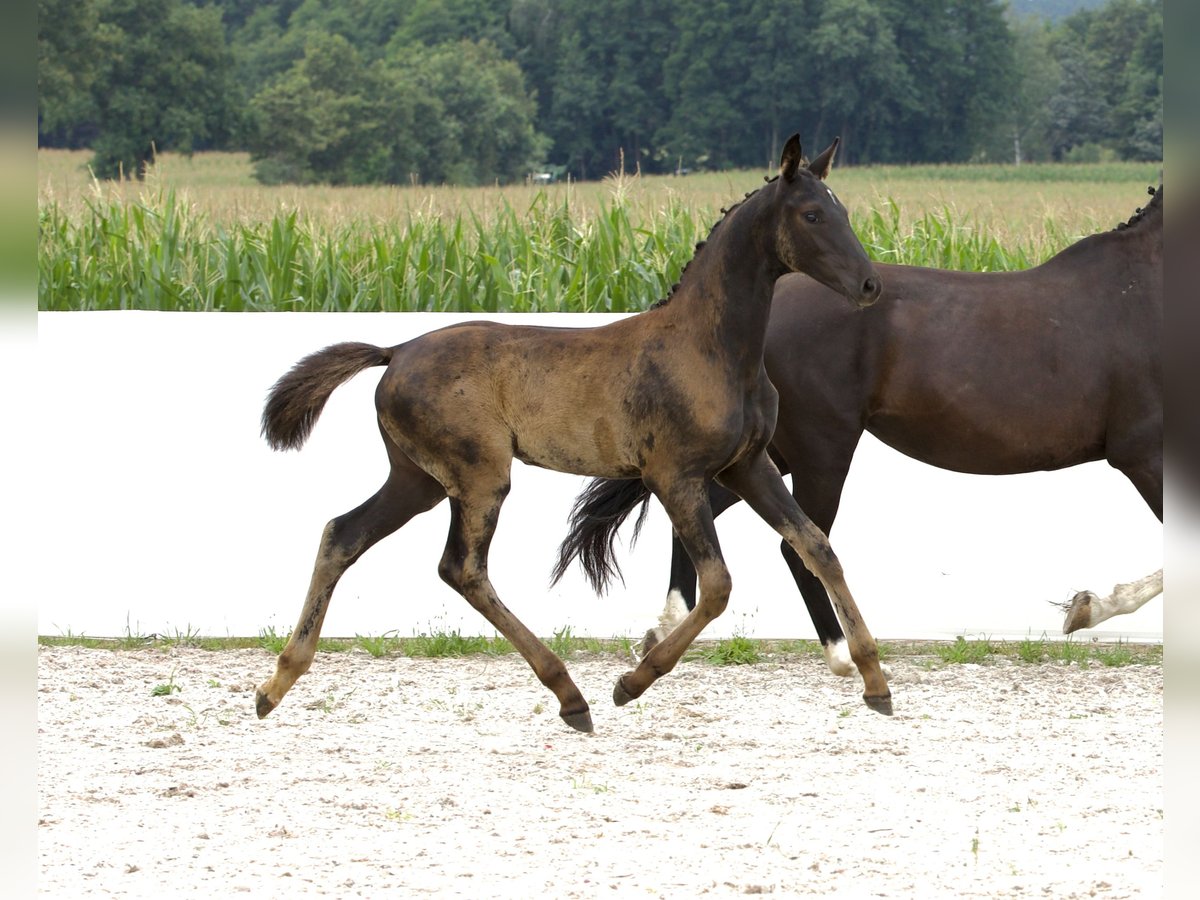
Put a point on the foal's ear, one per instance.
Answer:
(792, 158)
(823, 163)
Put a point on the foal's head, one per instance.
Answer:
(812, 230)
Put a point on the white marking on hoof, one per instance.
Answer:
(673, 613)
(837, 657)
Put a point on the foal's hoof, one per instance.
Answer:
(620, 695)
(263, 704)
(881, 705)
(580, 721)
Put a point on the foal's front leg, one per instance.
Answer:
(759, 483)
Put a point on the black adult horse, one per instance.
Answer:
(986, 373)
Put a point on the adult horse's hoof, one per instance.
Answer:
(881, 705)
(263, 704)
(580, 721)
(1079, 612)
(620, 695)
(837, 657)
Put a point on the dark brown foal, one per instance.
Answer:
(677, 396)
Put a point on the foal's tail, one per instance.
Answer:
(298, 397)
(597, 514)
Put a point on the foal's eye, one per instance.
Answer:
(811, 218)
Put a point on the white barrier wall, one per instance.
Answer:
(163, 511)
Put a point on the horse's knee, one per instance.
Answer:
(818, 553)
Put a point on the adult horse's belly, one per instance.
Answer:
(989, 395)
(989, 440)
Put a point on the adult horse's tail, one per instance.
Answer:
(597, 514)
(298, 397)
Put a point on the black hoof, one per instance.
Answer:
(262, 705)
(620, 695)
(580, 721)
(881, 705)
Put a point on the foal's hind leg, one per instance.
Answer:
(407, 492)
(473, 518)
(759, 484)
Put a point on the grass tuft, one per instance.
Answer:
(963, 651)
(382, 645)
(738, 650)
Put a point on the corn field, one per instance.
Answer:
(614, 246)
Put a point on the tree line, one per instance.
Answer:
(477, 91)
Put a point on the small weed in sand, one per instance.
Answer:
(585, 783)
(964, 651)
(738, 650)
(132, 639)
(1031, 651)
(167, 688)
(377, 646)
(1119, 654)
(269, 640)
(1071, 651)
(189, 637)
(453, 643)
(562, 644)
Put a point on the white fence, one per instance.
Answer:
(161, 510)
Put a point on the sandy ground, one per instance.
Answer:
(400, 777)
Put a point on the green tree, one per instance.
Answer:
(487, 112)
(576, 108)
(308, 119)
(1138, 116)
(68, 63)
(605, 102)
(857, 77)
(781, 80)
(1036, 74)
(706, 85)
(958, 56)
(1076, 109)
(1110, 94)
(163, 82)
(458, 113)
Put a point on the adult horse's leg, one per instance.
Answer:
(759, 484)
(474, 513)
(686, 503)
(1086, 609)
(407, 492)
(681, 594)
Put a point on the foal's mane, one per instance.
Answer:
(769, 179)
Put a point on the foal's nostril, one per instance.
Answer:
(870, 288)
